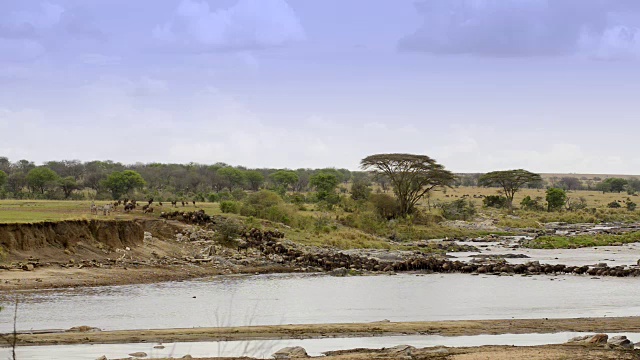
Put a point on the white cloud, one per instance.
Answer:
(249, 24)
(526, 28)
(100, 59)
(20, 50)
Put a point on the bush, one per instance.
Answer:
(532, 204)
(238, 194)
(228, 230)
(614, 205)
(228, 206)
(495, 201)
(385, 205)
(577, 205)
(213, 197)
(458, 210)
(556, 198)
(631, 206)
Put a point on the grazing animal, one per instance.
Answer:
(194, 203)
(147, 210)
(160, 203)
(128, 207)
(134, 202)
(183, 203)
(145, 207)
(174, 203)
(94, 209)
(106, 210)
(150, 201)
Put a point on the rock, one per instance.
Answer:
(295, 352)
(340, 272)
(400, 350)
(160, 347)
(27, 267)
(83, 328)
(187, 357)
(621, 342)
(103, 357)
(139, 354)
(598, 339)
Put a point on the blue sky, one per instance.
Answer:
(479, 85)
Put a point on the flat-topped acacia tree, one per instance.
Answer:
(510, 180)
(411, 176)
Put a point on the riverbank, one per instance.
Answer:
(315, 331)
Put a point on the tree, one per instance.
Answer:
(3, 178)
(510, 180)
(360, 190)
(556, 198)
(40, 178)
(68, 184)
(570, 183)
(121, 182)
(325, 184)
(255, 179)
(612, 185)
(284, 178)
(411, 176)
(232, 177)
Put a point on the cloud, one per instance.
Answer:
(518, 28)
(100, 59)
(247, 25)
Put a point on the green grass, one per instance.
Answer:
(580, 241)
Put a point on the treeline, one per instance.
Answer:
(73, 179)
(569, 183)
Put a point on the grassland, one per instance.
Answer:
(580, 241)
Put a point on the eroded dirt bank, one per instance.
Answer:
(309, 331)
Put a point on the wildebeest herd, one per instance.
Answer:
(131, 205)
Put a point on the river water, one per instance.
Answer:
(304, 299)
(264, 348)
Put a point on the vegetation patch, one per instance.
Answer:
(580, 241)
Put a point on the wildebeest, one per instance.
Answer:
(129, 207)
(149, 209)
(174, 203)
(160, 203)
(194, 203)
(145, 207)
(150, 201)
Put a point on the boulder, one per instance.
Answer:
(187, 357)
(598, 339)
(340, 272)
(139, 354)
(620, 342)
(103, 357)
(400, 350)
(27, 267)
(295, 352)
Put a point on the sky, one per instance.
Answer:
(478, 85)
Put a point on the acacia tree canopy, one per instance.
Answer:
(510, 180)
(411, 176)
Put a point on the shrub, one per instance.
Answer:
(228, 230)
(213, 197)
(631, 206)
(532, 204)
(229, 206)
(458, 210)
(556, 198)
(495, 201)
(238, 194)
(385, 205)
(577, 205)
(614, 205)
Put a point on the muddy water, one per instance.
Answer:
(264, 348)
(299, 299)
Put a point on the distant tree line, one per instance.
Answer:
(73, 179)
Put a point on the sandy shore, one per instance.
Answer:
(306, 331)
(56, 277)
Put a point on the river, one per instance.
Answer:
(303, 298)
